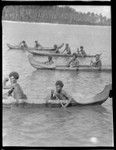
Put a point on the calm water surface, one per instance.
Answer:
(75, 126)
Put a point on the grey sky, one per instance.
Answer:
(104, 10)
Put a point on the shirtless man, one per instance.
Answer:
(15, 89)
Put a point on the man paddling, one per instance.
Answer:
(67, 49)
(50, 61)
(97, 62)
(56, 47)
(74, 62)
(83, 53)
(37, 45)
(60, 94)
(23, 44)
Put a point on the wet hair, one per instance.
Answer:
(74, 54)
(59, 83)
(14, 74)
(36, 41)
(23, 41)
(81, 46)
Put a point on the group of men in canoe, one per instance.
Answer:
(74, 62)
(56, 48)
(16, 91)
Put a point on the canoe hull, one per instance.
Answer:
(30, 48)
(49, 104)
(98, 99)
(38, 53)
(37, 65)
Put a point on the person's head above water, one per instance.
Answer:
(81, 47)
(36, 41)
(14, 76)
(59, 85)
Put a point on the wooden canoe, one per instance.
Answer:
(30, 48)
(38, 53)
(98, 99)
(38, 65)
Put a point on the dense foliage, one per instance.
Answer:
(52, 14)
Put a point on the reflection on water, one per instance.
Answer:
(57, 127)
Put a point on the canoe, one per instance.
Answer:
(38, 65)
(30, 48)
(15, 47)
(98, 99)
(38, 53)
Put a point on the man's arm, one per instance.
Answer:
(6, 86)
(60, 46)
(52, 95)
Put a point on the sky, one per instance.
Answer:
(104, 10)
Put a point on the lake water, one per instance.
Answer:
(76, 126)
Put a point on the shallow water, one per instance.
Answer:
(74, 126)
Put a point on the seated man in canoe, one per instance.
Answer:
(60, 94)
(37, 45)
(56, 47)
(23, 44)
(97, 62)
(74, 62)
(67, 49)
(15, 89)
(50, 61)
(82, 52)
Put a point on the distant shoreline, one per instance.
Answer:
(53, 14)
(47, 23)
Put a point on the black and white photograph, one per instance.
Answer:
(57, 76)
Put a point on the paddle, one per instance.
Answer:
(72, 67)
(63, 105)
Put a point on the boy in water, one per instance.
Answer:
(14, 88)
(60, 94)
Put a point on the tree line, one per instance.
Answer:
(52, 14)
